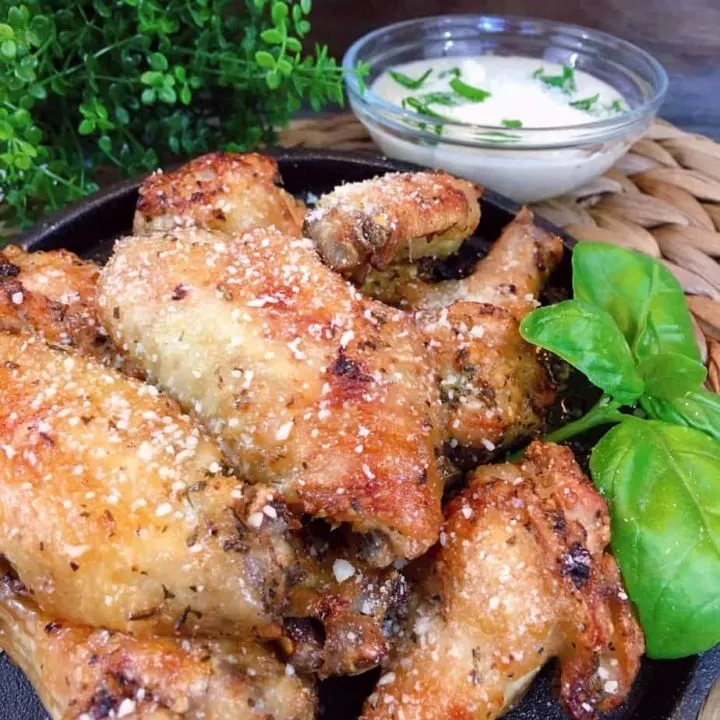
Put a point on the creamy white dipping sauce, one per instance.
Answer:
(529, 91)
(504, 95)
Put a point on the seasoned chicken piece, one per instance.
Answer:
(230, 192)
(313, 389)
(82, 673)
(344, 612)
(117, 511)
(522, 574)
(493, 388)
(396, 217)
(52, 294)
(511, 276)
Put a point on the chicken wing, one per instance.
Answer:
(492, 385)
(220, 191)
(522, 574)
(493, 388)
(511, 276)
(117, 511)
(396, 217)
(52, 294)
(313, 389)
(82, 673)
(344, 612)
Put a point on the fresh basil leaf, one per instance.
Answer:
(565, 81)
(407, 81)
(616, 106)
(699, 409)
(662, 483)
(670, 375)
(640, 293)
(512, 123)
(586, 103)
(588, 338)
(469, 92)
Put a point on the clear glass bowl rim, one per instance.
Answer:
(595, 131)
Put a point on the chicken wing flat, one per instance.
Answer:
(522, 574)
(117, 511)
(83, 673)
(222, 191)
(493, 387)
(313, 389)
(52, 294)
(396, 217)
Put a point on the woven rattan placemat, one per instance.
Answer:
(662, 198)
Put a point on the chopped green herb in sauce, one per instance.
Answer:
(564, 81)
(439, 95)
(422, 108)
(407, 81)
(586, 103)
(452, 72)
(498, 137)
(469, 92)
(439, 98)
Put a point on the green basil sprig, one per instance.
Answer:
(640, 293)
(699, 409)
(670, 375)
(629, 331)
(661, 482)
(586, 337)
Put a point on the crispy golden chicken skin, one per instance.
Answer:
(396, 217)
(230, 192)
(493, 387)
(116, 510)
(84, 673)
(52, 294)
(313, 389)
(522, 574)
(127, 516)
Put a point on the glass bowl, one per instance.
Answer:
(539, 163)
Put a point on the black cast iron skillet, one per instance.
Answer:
(667, 690)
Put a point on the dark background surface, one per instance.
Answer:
(684, 35)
